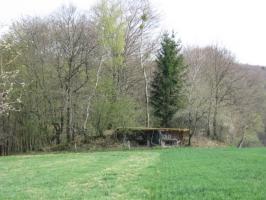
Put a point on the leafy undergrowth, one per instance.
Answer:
(184, 173)
(201, 141)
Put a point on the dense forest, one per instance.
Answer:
(70, 76)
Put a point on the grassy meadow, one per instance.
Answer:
(182, 173)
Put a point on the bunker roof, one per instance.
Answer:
(144, 129)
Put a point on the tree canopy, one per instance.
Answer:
(166, 92)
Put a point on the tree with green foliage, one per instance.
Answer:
(166, 91)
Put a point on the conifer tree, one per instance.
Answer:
(166, 97)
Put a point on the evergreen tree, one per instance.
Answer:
(167, 84)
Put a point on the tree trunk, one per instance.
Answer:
(147, 120)
(68, 116)
(92, 95)
(191, 134)
(61, 125)
(241, 142)
(57, 129)
(214, 123)
(189, 139)
(147, 102)
(190, 127)
(68, 125)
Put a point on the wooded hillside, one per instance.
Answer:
(74, 74)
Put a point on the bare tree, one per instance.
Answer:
(246, 104)
(74, 44)
(221, 77)
(213, 84)
(141, 22)
(195, 91)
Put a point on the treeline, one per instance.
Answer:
(73, 75)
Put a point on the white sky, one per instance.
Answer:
(239, 25)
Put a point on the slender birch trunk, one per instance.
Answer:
(147, 121)
(93, 94)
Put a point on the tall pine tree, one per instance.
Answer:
(166, 97)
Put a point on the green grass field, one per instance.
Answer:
(184, 173)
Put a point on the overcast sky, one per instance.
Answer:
(239, 25)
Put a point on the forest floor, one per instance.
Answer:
(175, 173)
